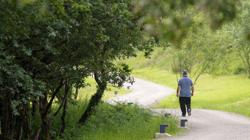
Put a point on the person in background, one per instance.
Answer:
(185, 90)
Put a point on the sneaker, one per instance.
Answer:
(189, 112)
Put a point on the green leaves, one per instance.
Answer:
(171, 20)
(48, 44)
(27, 51)
(240, 31)
(14, 105)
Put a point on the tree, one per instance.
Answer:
(116, 38)
(240, 30)
(57, 44)
(203, 51)
(35, 36)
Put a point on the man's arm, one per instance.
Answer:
(192, 89)
(178, 91)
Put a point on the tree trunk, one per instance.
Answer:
(76, 93)
(26, 122)
(18, 128)
(14, 127)
(34, 107)
(248, 71)
(7, 120)
(65, 100)
(77, 87)
(1, 117)
(58, 110)
(22, 125)
(44, 118)
(45, 106)
(95, 99)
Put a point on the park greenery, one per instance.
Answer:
(50, 48)
(217, 60)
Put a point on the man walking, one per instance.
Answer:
(185, 90)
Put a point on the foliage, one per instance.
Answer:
(170, 20)
(49, 47)
(117, 122)
(240, 30)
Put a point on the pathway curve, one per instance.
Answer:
(144, 93)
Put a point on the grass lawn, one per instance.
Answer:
(120, 122)
(90, 89)
(227, 93)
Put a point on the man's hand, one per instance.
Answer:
(192, 90)
(178, 91)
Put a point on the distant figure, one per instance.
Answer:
(185, 90)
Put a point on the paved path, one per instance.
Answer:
(203, 124)
(144, 93)
(212, 125)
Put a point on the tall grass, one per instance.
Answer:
(120, 122)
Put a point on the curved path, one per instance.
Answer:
(144, 93)
(202, 125)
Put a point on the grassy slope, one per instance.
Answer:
(123, 122)
(229, 93)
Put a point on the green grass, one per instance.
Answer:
(156, 75)
(227, 93)
(91, 88)
(160, 58)
(121, 122)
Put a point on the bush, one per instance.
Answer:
(240, 70)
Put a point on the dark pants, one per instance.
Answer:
(185, 105)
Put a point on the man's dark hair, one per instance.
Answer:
(184, 72)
